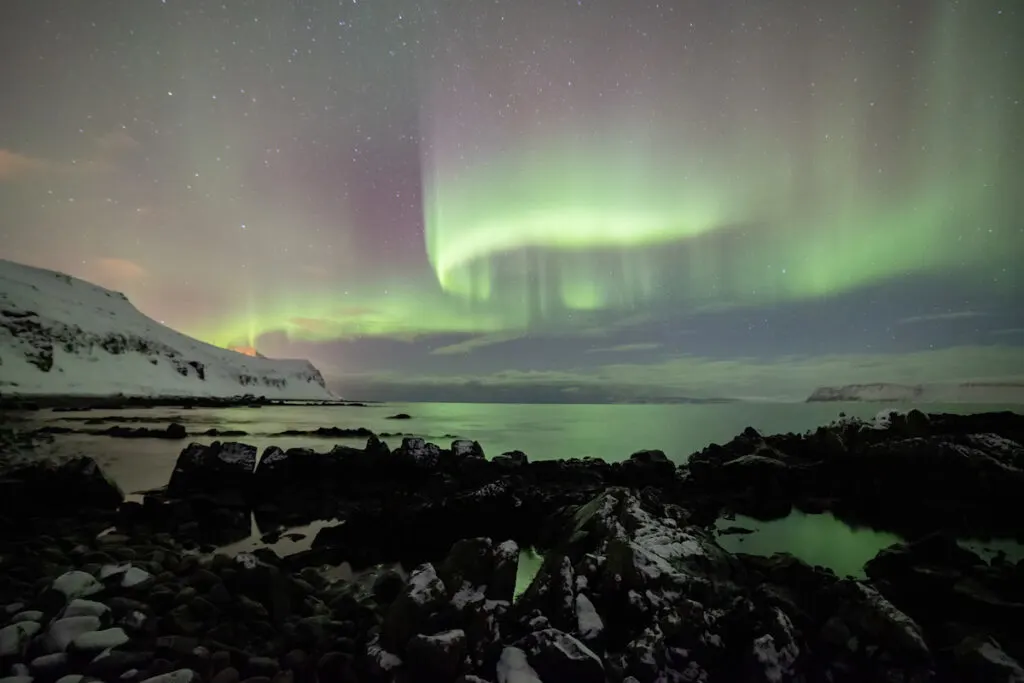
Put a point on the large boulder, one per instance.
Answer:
(214, 468)
(56, 487)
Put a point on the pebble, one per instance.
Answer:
(28, 615)
(15, 637)
(100, 640)
(179, 676)
(48, 663)
(228, 675)
(85, 608)
(63, 631)
(76, 584)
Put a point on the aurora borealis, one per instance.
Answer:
(567, 194)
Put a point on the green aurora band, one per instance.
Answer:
(575, 209)
(629, 211)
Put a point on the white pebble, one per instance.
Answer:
(63, 631)
(100, 640)
(85, 608)
(28, 615)
(179, 676)
(15, 637)
(76, 584)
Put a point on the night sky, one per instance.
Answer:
(583, 199)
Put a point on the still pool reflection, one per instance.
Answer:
(818, 539)
(821, 539)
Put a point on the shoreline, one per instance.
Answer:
(625, 546)
(76, 403)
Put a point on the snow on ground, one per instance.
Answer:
(63, 336)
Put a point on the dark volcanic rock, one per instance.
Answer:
(865, 471)
(51, 488)
(213, 468)
(172, 431)
(633, 586)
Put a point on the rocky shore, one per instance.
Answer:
(633, 585)
(62, 403)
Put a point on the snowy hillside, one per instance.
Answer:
(63, 336)
(967, 392)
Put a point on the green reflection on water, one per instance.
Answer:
(529, 564)
(818, 539)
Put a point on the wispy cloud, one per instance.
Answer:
(935, 317)
(474, 343)
(628, 348)
(15, 166)
(791, 377)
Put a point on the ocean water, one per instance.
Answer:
(544, 432)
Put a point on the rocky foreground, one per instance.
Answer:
(633, 586)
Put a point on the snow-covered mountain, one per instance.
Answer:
(63, 336)
(964, 392)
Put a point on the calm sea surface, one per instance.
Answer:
(544, 432)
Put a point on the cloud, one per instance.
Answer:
(14, 166)
(316, 271)
(116, 142)
(120, 268)
(934, 317)
(784, 378)
(474, 343)
(628, 348)
(317, 326)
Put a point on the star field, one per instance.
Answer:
(579, 189)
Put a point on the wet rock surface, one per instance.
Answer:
(633, 586)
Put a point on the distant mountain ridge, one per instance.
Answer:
(962, 392)
(60, 335)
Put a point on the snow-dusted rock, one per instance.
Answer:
(513, 667)
(76, 584)
(407, 614)
(984, 660)
(130, 576)
(776, 652)
(466, 448)
(558, 656)
(511, 460)
(588, 622)
(15, 637)
(423, 454)
(866, 622)
(381, 662)
(437, 657)
(216, 467)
